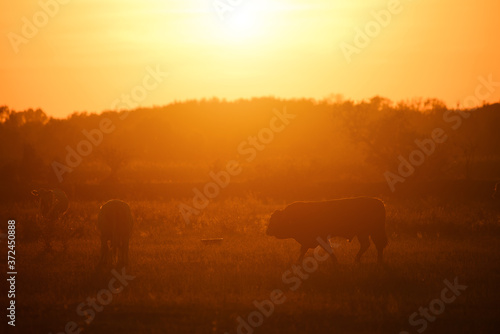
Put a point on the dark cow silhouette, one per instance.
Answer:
(305, 222)
(53, 205)
(115, 222)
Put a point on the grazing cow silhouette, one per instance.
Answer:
(305, 222)
(115, 222)
(53, 205)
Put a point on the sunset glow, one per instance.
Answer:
(261, 48)
(250, 166)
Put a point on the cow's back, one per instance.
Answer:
(115, 220)
(61, 202)
(343, 217)
(53, 203)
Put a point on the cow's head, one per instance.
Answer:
(496, 193)
(277, 225)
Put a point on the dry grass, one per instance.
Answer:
(185, 286)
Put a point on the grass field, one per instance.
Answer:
(182, 285)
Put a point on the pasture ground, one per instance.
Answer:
(182, 285)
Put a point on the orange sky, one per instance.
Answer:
(93, 52)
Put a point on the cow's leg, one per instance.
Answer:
(330, 251)
(364, 242)
(125, 253)
(380, 241)
(121, 255)
(380, 251)
(114, 254)
(47, 244)
(303, 251)
(327, 247)
(48, 230)
(104, 251)
(63, 233)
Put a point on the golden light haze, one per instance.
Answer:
(92, 51)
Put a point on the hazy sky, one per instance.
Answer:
(88, 53)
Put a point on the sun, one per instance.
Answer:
(244, 21)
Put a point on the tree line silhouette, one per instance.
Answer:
(330, 140)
